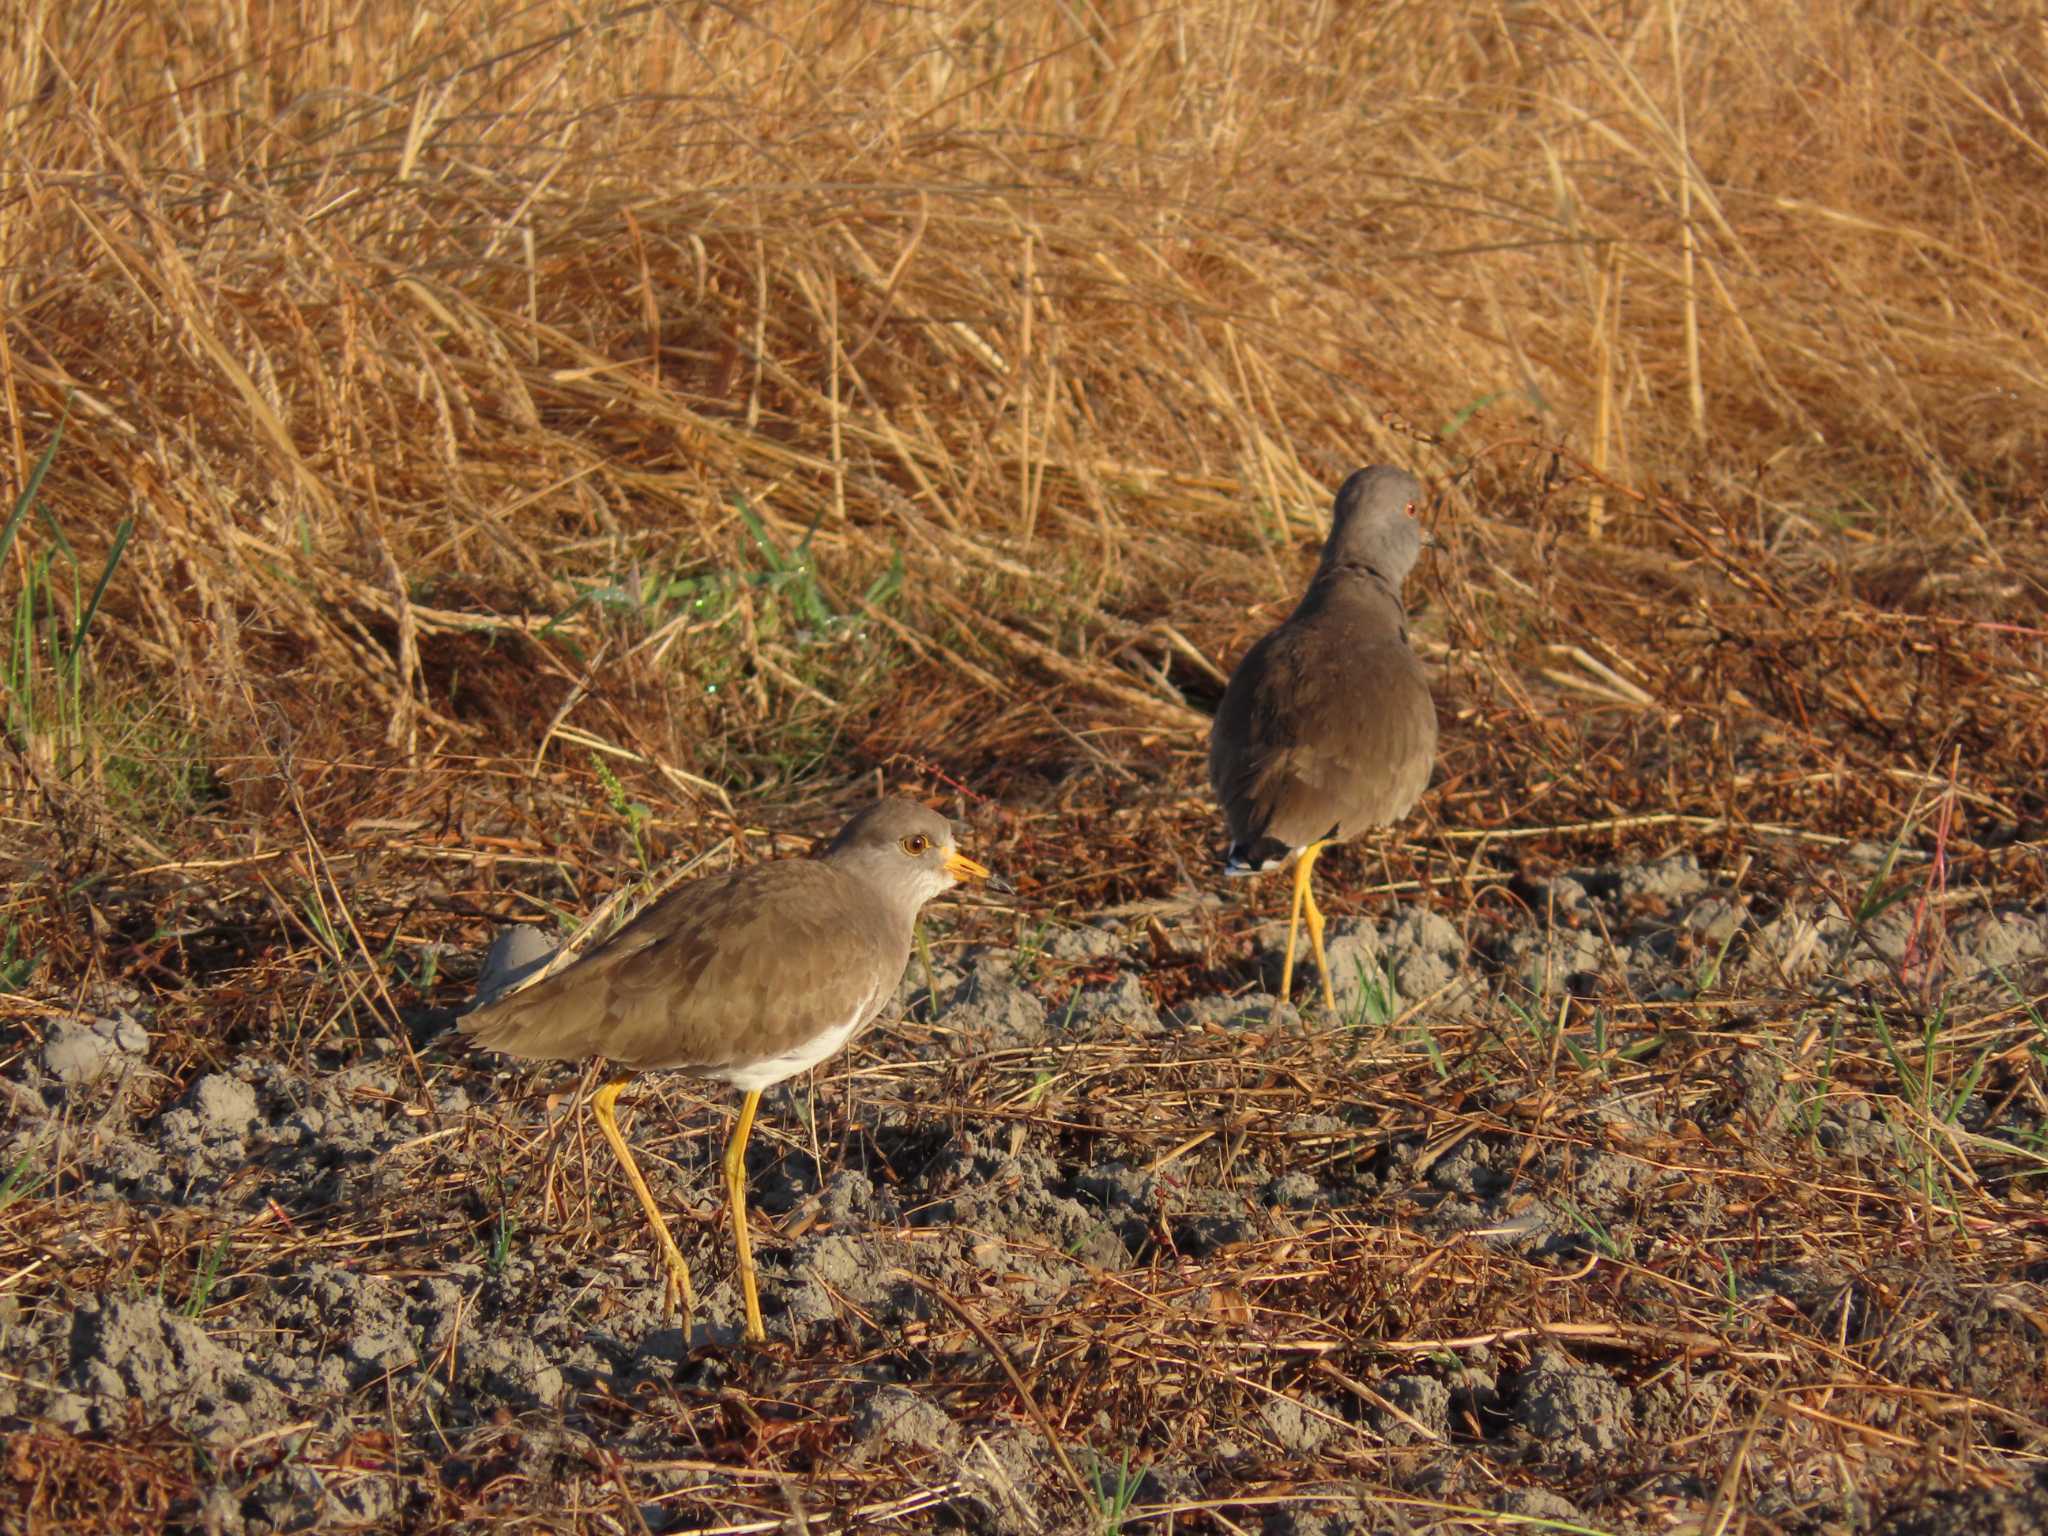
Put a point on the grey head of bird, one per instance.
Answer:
(905, 852)
(1373, 526)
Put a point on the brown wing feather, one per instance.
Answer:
(717, 973)
(1236, 745)
(1326, 725)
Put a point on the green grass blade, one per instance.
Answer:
(763, 540)
(121, 536)
(1960, 1097)
(27, 498)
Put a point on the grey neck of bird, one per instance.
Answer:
(879, 870)
(1350, 580)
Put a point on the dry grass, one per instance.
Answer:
(432, 362)
(758, 401)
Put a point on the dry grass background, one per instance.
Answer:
(430, 359)
(756, 400)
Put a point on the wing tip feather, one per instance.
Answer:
(1254, 856)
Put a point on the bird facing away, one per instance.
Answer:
(748, 978)
(1327, 727)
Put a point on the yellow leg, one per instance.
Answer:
(676, 1291)
(1315, 923)
(736, 1193)
(1294, 920)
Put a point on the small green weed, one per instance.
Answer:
(17, 965)
(1922, 1088)
(1462, 417)
(1808, 1113)
(1116, 1491)
(2031, 1009)
(1710, 967)
(789, 576)
(1083, 1238)
(1881, 892)
(1031, 952)
(1593, 1231)
(12, 1187)
(1933, 1100)
(206, 1276)
(632, 813)
(504, 1230)
(44, 673)
(771, 604)
(1377, 1003)
(1426, 1042)
(1067, 1017)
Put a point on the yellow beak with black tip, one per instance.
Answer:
(961, 867)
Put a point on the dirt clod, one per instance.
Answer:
(1575, 1411)
(78, 1054)
(138, 1352)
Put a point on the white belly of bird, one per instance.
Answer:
(751, 1075)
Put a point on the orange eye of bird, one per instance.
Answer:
(915, 844)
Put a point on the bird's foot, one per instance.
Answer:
(677, 1299)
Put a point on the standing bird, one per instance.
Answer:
(748, 978)
(1327, 727)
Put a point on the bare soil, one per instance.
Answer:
(1633, 1203)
